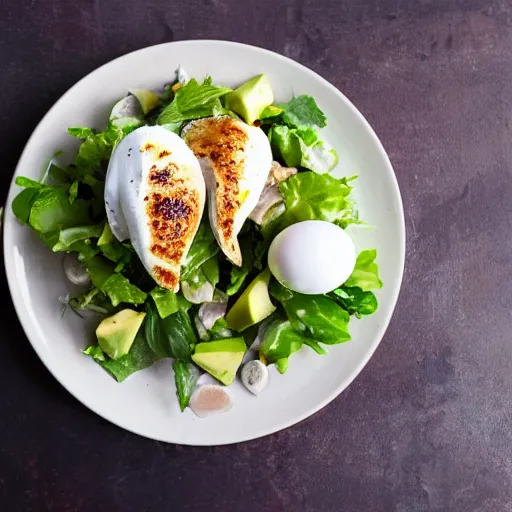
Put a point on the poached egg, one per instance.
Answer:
(155, 196)
(235, 159)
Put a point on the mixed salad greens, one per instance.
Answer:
(66, 210)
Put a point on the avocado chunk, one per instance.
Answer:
(117, 333)
(251, 98)
(253, 305)
(220, 358)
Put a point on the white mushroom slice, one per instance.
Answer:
(210, 399)
(271, 196)
(235, 159)
(255, 376)
(210, 312)
(75, 271)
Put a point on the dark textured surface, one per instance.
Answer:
(426, 426)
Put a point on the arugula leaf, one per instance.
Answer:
(355, 301)
(22, 204)
(139, 357)
(280, 341)
(302, 111)
(51, 211)
(192, 101)
(166, 301)
(366, 272)
(311, 196)
(119, 289)
(185, 376)
(318, 316)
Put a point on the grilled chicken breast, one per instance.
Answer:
(156, 195)
(235, 160)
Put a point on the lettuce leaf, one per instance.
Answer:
(192, 101)
(302, 112)
(315, 316)
(280, 341)
(22, 204)
(311, 196)
(302, 148)
(166, 301)
(120, 290)
(51, 211)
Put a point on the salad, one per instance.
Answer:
(204, 225)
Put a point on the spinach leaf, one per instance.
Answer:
(172, 336)
(281, 340)
(185, 376)
(318, 316)
(179, 335)
(51, 211)
(22, 204)
(202, 249)
(355, 301)
(139, 357)
(166, 301)
(239, 274)
(366, 272)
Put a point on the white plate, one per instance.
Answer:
(146, 402)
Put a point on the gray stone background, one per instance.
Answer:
(426, 426)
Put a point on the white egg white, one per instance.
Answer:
(235, 159)
(154, 179)
(312, 257)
